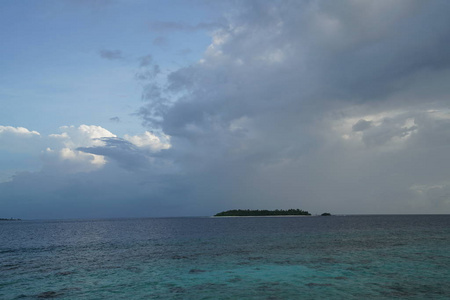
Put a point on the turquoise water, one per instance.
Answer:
(339, 257)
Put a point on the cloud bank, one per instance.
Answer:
(315, 104)
(319, 105)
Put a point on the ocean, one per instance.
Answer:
(337, 257)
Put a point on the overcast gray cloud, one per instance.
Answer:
(312, 103)
(338, 106)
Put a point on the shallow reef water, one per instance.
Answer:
(337, 257)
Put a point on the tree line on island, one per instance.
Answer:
(257, 212)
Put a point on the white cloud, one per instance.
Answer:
(19, 139)
(21, 131)
(66, 160)
(149, 141)
(82, 136)
(64, 156)
(66, 151)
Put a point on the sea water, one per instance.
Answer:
(337, 257)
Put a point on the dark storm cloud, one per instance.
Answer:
(273, 95)
(386, 131)
(362, 125)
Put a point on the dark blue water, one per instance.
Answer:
(351, 257)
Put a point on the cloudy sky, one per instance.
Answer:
(115, 108)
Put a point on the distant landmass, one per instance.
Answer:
(248, 212)
(11, 219)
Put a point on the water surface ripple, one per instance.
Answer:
(338, 257)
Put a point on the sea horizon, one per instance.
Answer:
(212, 216)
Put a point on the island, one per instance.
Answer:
(257, 212)
(11, 219)
(325, 214)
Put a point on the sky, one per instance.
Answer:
(114, 108)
